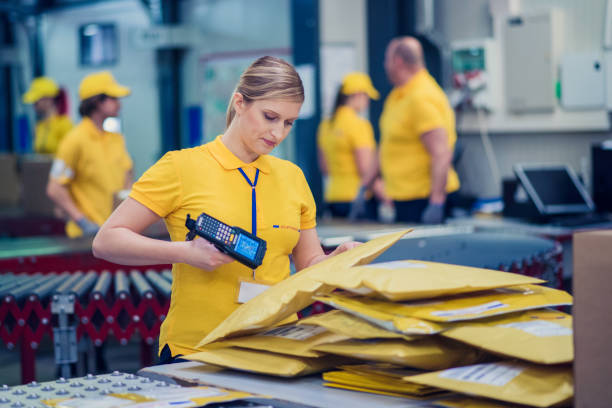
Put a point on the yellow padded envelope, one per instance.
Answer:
(408, 280)
(540, 336)
(517, 382)
(295, 293)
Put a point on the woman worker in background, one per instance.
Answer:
(92, 167)
(51, 107)
(347, 149)
(234, 180)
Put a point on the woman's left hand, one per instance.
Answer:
(345, 246)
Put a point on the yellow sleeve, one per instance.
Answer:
(362, 135)
(160, 188)
(428, 117)
(66, 160)
(308, 217)
(64, 126)
(321, 130)
(126, 160)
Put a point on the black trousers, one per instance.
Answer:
(412, 211)
(342, 209)
(165, 357)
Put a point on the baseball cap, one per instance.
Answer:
(356, 82)
(101, 83)
(41, 87)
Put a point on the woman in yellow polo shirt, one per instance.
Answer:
(347, 149)
(50, 105)
(235, 180)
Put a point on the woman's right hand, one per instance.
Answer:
(204, 255)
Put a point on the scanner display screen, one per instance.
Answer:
(246, 247)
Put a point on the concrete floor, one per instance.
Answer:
(121, 358)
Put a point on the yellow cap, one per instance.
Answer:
(101, 83)
(41, 87)
(357, 82)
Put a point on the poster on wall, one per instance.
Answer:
(219, 74)
(337, 60)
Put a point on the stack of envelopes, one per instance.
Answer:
(506, 315)
(483, 332)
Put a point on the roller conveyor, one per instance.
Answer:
(102, 285)
(82, 286)
(66, 286)
(142, 286)
(29, 299)
(122, 285)
(160, 284)
(44, 291)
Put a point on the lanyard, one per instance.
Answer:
(253, 199)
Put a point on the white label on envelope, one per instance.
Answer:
(491, 374)
(295, 332)
(470, 310)
(540, 328)
(248, 290)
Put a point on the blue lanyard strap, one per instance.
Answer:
(253, 199)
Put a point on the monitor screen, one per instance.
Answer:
(247, 247)
(554, 189)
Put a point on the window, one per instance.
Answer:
(98, 44)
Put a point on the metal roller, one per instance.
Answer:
(101, 288)
(82, 287)
(44, 291)
(68, 284)
(122, 285)
(140, 283)
(24, 290)
(16, 282)
(161, 285)
(167, 274)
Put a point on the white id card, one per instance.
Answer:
(248, 290)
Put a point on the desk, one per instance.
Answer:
(299, 392)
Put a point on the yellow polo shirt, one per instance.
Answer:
(411, 110)
(93, 165)
(338, 140)
(49, 133)
(206, 179)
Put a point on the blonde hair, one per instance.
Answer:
(267, 78)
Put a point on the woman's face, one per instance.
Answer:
(360, 101)
(264, 124)
(109, 107)
(43, 106)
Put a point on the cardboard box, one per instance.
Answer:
(593, 318)
(9, 182)
(34, 177)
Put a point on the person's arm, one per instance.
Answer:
(436, 143)
(322, 162)
(308, 250)
(120, 241)
(365, 158)
(60, 195)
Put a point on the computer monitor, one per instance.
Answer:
(554, 189)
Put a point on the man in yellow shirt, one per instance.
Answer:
(417, 137)
(52, 123)
(91, 166)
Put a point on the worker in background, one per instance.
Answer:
(235, 180)
(347, 148)
(92, 167)
(51, 107)
(418, 136)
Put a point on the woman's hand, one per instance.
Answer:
(345, 246)
(202, 254)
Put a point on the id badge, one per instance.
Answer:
(248, 289)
